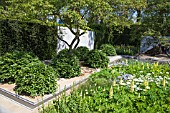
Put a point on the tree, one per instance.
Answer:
(73, 13)
(156, 17)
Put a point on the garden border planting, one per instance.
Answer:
(32, 105)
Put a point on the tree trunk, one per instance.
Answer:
(138, 15)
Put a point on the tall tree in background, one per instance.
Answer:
(156, 17)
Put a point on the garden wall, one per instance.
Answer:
(85, 40)
(36, 38)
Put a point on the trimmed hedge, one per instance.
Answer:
(27, 36)
(96, 59)
(108, 49)
(67, 64)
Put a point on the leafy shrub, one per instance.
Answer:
(67, 64)
(12, 63)
(36, 79)
(96, 59)
(81, 52)
(108, 49)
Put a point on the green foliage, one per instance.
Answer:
(165, 42)
(12, 63)
(27, 36)
(108, 49)
(156, 19)
(67, 64)
(81, 52)
(126, 50)
(31, 76)
(36, 79)
(102, 94)
(96, 59)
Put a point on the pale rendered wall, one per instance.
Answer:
(85, 40)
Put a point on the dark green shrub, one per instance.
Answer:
(81, 52)
(67, 64)
(62, 53)
(108, 49)
(36, 79)
(96, 59)
(12, 63)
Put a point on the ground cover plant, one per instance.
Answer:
(120, 89)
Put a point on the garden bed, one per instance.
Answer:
(63, 84)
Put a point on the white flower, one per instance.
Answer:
(161, 73)
(123, 84)
(151, 80)
(87, 92)
(128, 83)
(140, 80)
(160, 78)
(167, 73)
(97, 70)
(148, 74)
(137, 83)
(135, 79)
(139, 89)
(140, 71)
(157, 79)
(147, 87)
(134, 86)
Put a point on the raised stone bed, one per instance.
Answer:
(64, 84)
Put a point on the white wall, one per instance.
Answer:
(86, 39)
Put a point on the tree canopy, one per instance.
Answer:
(153, 16)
